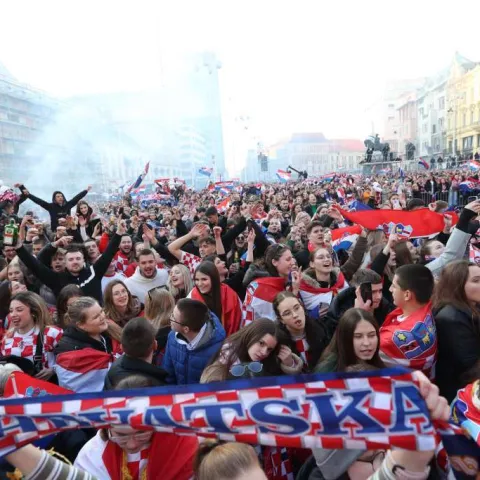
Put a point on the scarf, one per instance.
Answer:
(411, 342)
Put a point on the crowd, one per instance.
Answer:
(205, 288)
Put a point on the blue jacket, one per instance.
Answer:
(186, 366)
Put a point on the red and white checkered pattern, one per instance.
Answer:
(24, 345)
(303, 348)
(190, 261)
(121, 262)
(137, 462)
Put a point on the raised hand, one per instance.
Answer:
(217, 232)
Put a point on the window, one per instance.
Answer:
(434, 129)
(440, 123)
(472, 114)
(441, 103)
(464, 119)
(468, 143)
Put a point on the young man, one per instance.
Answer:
(88, 278)
(196, 335)
(146, 276)
(93, 252)
(125, 254)
(139, 345)
(316, 238)
(408, 336)
(214, 219)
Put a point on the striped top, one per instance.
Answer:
(54, 469)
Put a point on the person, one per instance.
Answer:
(321, 283)
(196, 335)
(125, 255)
(179, 282)
(219, 297)
(351, 297)
(214, 219)
(159, 307)
(138, 345)
(457, 318)
(31, 322)
(89, 278)
(263, 285)
(408, 335)
(356, 341)
(119, 304)
(68, 294)
(59, 207)
(260, 348)
(227, 461)
(86, 217)
(146, 276)
(87, 328)
(122, 452)
(308, 338)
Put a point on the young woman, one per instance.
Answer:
(119, 304)
(179, 282)
(86, 218)
(66, 297)
(227, 461)
(219, 298)
(31, 322)
(307, 338)
(431, 250)
(259, 348)
(356, 341)
(320, 283)
(456, 301)
(159, 305)
(264, 284)
(87, 328)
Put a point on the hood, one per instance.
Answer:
(253, 273)
(53, 197)
(308, 276)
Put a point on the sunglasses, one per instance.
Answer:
(163, 287)
(240, 369)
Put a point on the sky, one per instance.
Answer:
(308, 65)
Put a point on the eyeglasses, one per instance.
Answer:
(163, 287)
(240, 369)
(139, 437)
(288, 313)
(172, 319)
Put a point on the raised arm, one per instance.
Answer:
(175, 248)
(104, 261)
(73, 201)
(43, 273)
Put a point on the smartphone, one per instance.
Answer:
(472, 199)
(366, 291)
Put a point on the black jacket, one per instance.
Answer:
(77, 339)
(125, 366)
(346, 300)
(458, 348)
(55, 210)
(89, 279)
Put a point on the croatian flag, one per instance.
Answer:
(284, 176)
(205, 171)
(344, 238)
(224, 191)
(341, 195)
(83, 370)
(474, 164)
(423, 163)
(224, 185)
(223, 205)
(469, 185)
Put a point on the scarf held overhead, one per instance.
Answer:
(418, 223)
(365, 410)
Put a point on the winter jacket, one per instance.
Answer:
(125, 366)
(75, 338)
(346, 300)
(89, 278)
(458, 348)
(139, 286)
(55, 210)
(185, 366)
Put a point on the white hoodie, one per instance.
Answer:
(139, 286)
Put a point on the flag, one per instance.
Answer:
(423, 163)
(224, 185)
(223, 205)
(83, 370)
(358, 206)
(474, 164)
(259, 298)
(344, 238)
(341, 195)
(20, 385)
(284, 176)
(205, 171)
(469, 185)
(380, 409)
(147, 168)
(418, 223)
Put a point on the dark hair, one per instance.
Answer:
(74, 248)
(211, 211)
(402, 254)
(414, 203)
(239, 343)
(274, 252)
(212, 299)
(194, 313)
(341, 347)
(418, 279)
(145, 252)
(312, 254)
(365, 275)
(425, 250)
(450, 289)
(208, 240)
(89, 212)
(66, 293)
(314, 224)
(138, 337)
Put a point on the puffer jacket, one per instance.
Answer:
(185, 366)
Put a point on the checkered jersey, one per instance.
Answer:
(24, 345)
(190, 261)
(303, 349)
(137, 463)
(121, 262)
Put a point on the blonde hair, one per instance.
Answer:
(223, 461)
(159, 305)
(187, 281)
